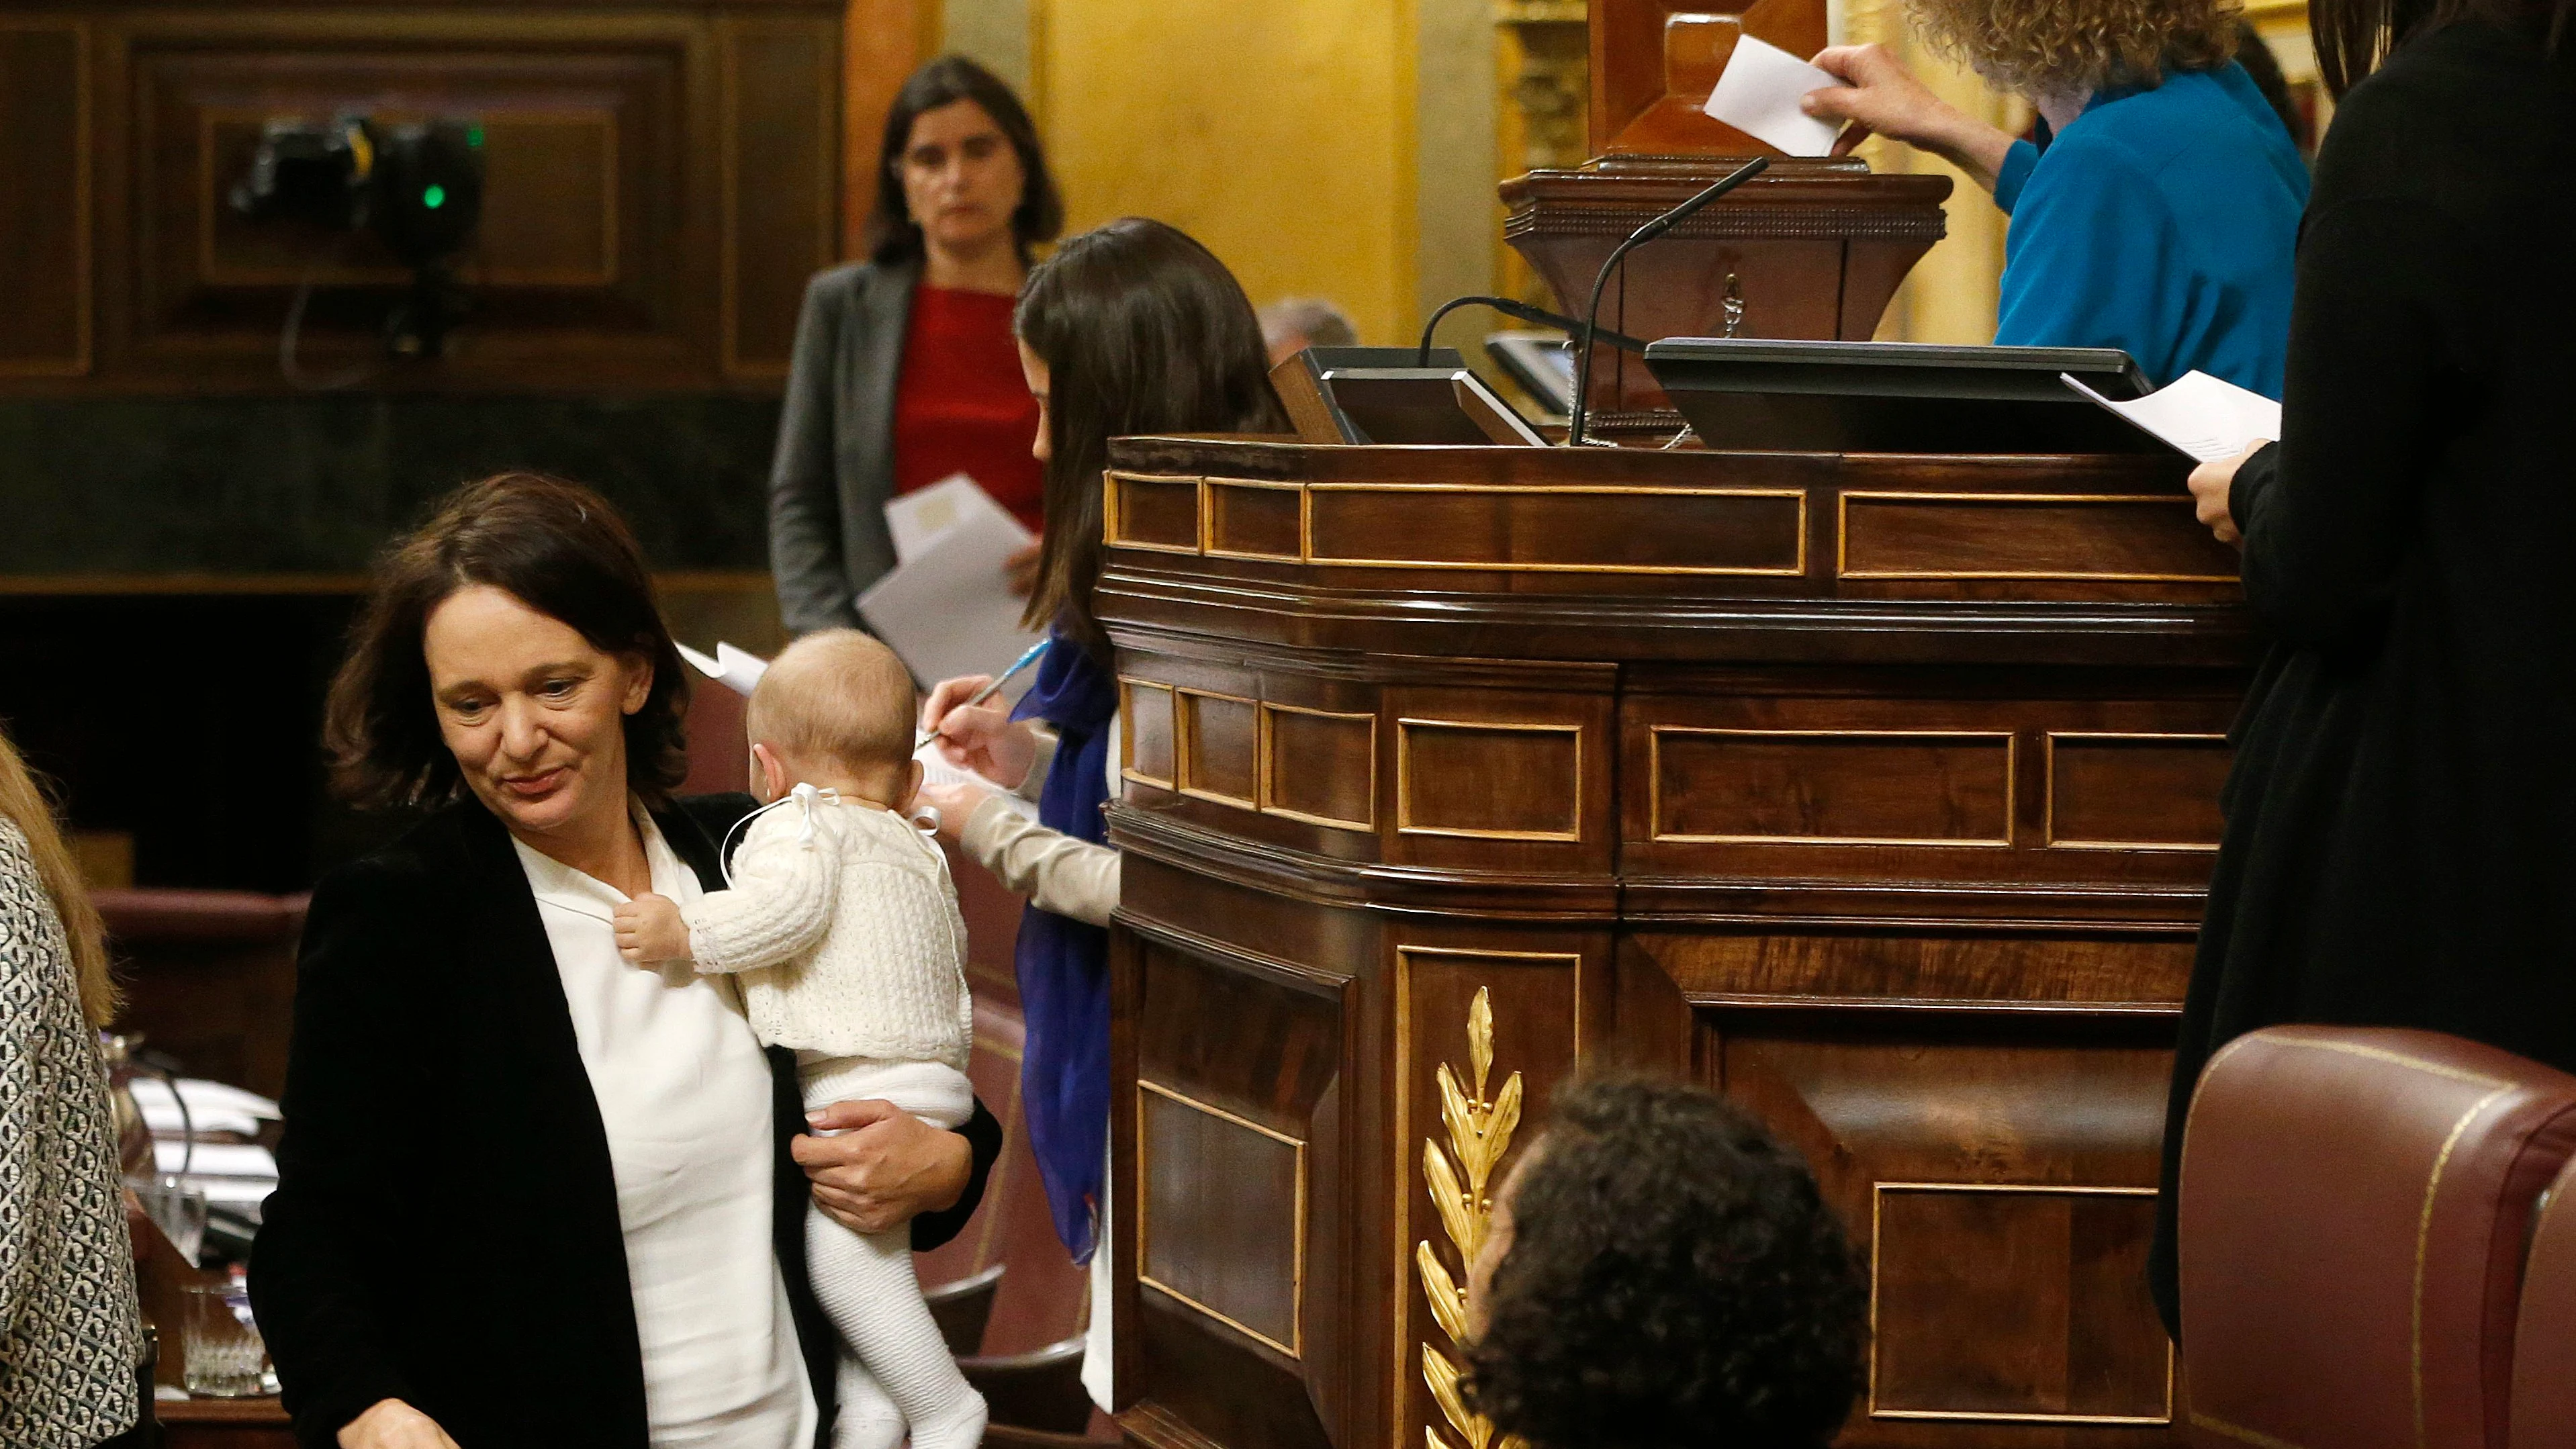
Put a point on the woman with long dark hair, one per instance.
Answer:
(904, 373)
(1130, 329)
(2400, 846)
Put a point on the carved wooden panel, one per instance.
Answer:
(1233, 1195)
(2021, 1303)
(2110, 537)
(779, 133)
(1220, 748)
(1249, 519)
(659, 184)
(2135, 791)
(45, 178)
(1319, 766)
(1841, 787)
(1489, 779)
(1643, 530)
(1141, 511)
(1145, 722)
(2000, 1182)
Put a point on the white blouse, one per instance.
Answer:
(685, 1093)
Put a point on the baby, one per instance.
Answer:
(842, 925)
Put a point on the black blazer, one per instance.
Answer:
(445, 1229)
(834, 469)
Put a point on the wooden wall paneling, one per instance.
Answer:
(780, 130)
(1999, 1180)
(883, 41)
(47, 99)
(596, 242)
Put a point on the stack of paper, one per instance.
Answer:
(946, 608)
(2200, 416)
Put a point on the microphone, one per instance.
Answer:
(1521, 312)
(1601, 280)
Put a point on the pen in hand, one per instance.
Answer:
(924, 737)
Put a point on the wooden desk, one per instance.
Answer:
(1878, 792)
(224, 1424)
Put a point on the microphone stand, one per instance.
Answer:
(1519, 312)
(1601, 280)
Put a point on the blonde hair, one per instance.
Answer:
(23, 803)
(2064, 45)
(838, 695)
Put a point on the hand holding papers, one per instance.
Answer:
(1759, 95)
(2200, 416)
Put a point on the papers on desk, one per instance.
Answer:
(2199, 415)
(937, 771)
(212, 1107)
(945, 608)
(1759, 95)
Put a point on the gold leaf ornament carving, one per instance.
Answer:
(1460, 1181)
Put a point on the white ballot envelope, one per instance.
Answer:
(1759, 95)
(945, 608)
(2203, 417)
(735, 669)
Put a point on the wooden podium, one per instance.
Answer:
(1878, 792)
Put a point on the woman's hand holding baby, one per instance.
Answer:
(882, 1165)
(650, 931)
(978, 737)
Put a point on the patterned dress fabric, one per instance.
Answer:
(70, 1333)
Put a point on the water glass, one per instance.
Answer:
(220, 1344)
(178, 1209)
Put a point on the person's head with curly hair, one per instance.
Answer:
(1663, 1273)
(2073, 47)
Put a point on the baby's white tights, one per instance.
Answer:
(865, 1281)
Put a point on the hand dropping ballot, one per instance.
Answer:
(946, 608)
(2203, 417)
(1759, 95)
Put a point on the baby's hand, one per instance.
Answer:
(650, 931)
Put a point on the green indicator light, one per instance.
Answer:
(434, 198)
(474, 137)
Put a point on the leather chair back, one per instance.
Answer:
(2544, 1345)
(2354, 1208)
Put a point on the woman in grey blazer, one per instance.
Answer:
(905, 371)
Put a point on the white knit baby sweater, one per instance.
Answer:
(843, 925)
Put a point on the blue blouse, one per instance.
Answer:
(2162, 221)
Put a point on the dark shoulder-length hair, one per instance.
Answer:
(556, 547)
(1674, 1278)
(2354, 36)
(1142, 330)
(893, 236)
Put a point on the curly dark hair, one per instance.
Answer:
(1674, 1278)
(557, 547)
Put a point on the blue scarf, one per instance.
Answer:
(1063, 964)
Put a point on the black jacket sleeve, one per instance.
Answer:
(804, 477)
(308, 1281)
(2380, 338)
(983, 1134)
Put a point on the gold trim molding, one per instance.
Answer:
(1404, 778)
(1655, 786)
(2048, 795)
(1842, 537)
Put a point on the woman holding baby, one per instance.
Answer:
(530, 1193)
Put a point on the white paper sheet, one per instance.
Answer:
(947, 610)
(216, 1159)
(937, 771)
(921, 518)
(735, 669)
(1759, 96)
(2203, 417)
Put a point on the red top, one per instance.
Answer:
(962, 405)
